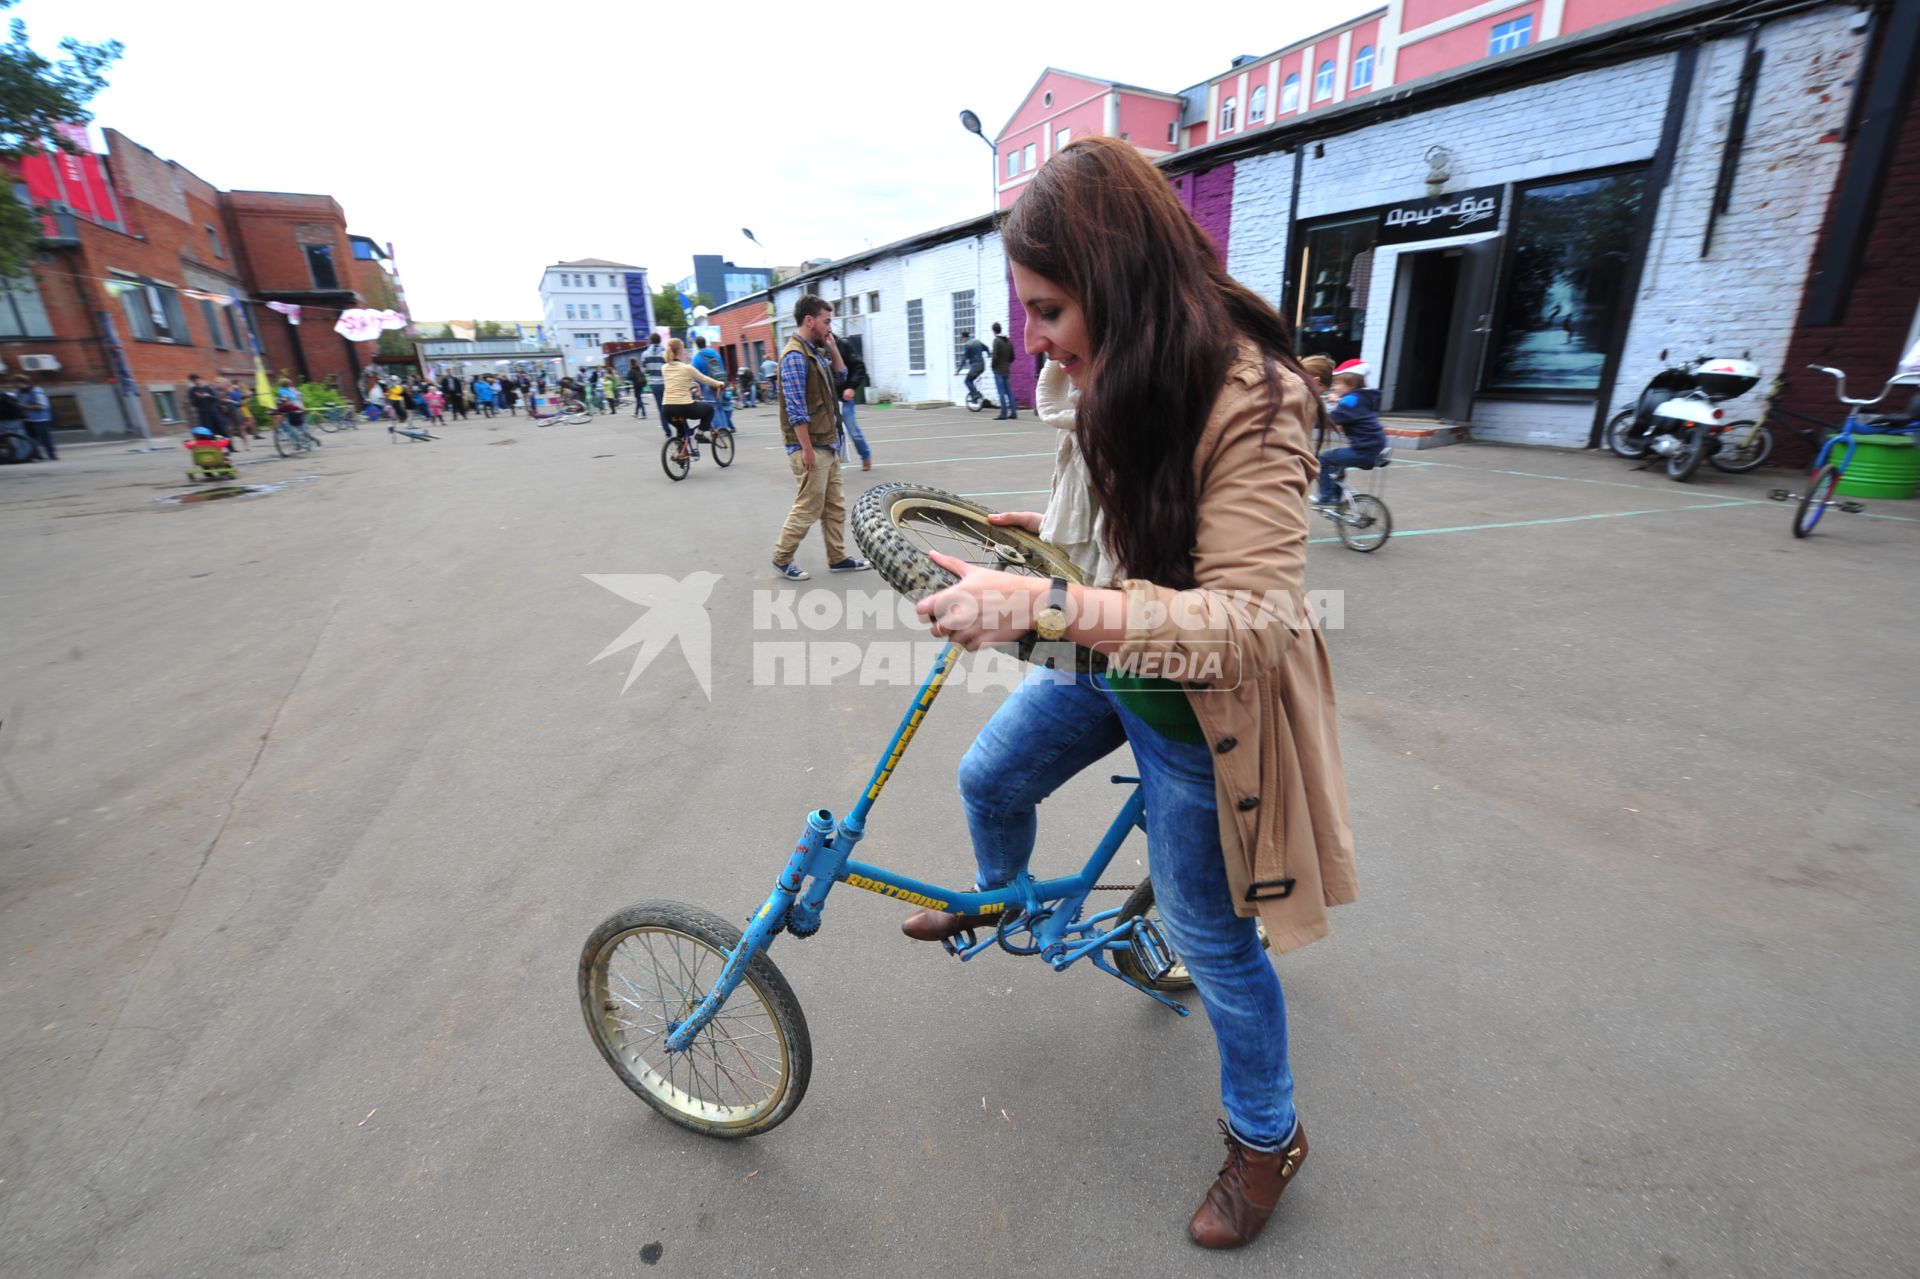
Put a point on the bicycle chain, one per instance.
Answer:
(1114, 888)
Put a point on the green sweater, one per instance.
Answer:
(1162, 703)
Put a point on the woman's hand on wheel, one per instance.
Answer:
(1028, 520)
(984, 607)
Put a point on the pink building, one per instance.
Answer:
(1401, 41)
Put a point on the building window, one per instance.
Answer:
(916, 337)
(616, 311)
(320, 263)
(167, 405)
(596, 310)
(1363, 67)
(1061, 139)
(213, 243)
(1228, 111)
(853, 303)
(1257, 106)
(233, 327)
(1173, 132)
(1290, 94)
(1323, 81)
(569, 310)
(153, 312)
(962, 323)
(873, 303)
(22, 314)
(212, 318)
(1013, 164)
(1508, 36)
(593, 281)
(1046, 99)
(1330, 311)
(1568, 244)
(1027, 161)
(839, 307)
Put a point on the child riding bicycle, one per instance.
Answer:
(1357, 414)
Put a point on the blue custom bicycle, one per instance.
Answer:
(688, 1009)
(1828, 469)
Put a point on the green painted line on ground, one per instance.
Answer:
(992, 457)
(914, 439)
(1557, 519)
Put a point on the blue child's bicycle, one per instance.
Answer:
(688, 1009)
(1830, 467)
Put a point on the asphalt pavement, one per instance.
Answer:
(309, 798)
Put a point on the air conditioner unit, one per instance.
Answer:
(39, 363)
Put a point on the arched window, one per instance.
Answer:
(1229, 112)
(1323, 81)
(1257, 106)
(1290, 93)
(1363, 67)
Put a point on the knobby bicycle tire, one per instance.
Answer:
(776, 1057)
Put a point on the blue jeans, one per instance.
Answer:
(722, 415)
(659, 402)
(1043, 734)
(972, 379)
(1003, 389)
(1334, 464)
(853, 431)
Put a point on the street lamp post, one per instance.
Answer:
(971, 123)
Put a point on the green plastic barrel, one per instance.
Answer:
(1884, 466)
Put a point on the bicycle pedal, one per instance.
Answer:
(964, 940)
(1151, 949)
(1780, 495)
(1853, 508)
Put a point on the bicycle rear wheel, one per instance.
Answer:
(1177, 978)
(643, 971)
(1814, 504)
(676, 467)
(1367, 526)
(283, 442)
(1740, 452)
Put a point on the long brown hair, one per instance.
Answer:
(1164, 320)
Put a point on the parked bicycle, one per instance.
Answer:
(688, 1009)
(1827, 470)
(335, 418)
(569, 413)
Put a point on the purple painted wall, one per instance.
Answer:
(1208, 196)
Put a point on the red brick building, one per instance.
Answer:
(177, 287)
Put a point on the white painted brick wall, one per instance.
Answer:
(1746, 294)
(931, 275)
(1257, 244)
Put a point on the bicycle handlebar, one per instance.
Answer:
(1840, 392)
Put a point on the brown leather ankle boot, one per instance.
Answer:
(1243, 1196)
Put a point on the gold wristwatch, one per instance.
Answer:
(1051, 621)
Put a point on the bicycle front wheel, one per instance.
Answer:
(1367, 526)
(1740, 452)
(1814, 504)
(643, 971)
(723, 448)
(283, 442)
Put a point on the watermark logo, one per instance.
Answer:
(890, 645)
(676, 609)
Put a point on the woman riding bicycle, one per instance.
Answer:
(681, 402)
(1192, 417)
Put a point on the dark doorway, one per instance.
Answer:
(1424, 303)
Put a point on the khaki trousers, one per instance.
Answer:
(817, 499)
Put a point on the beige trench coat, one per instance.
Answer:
(1269, 713)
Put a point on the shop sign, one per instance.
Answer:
(1461, 213)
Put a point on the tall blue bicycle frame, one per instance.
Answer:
(823, 857)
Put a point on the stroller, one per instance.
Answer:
(212, 455)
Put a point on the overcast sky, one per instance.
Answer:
(484, 147)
